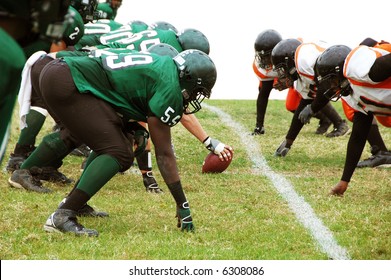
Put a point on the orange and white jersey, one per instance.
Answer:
(305, 58)
(263, 74)
(367, 96)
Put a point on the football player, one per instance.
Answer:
(103, 95)
(33, 110)
(263, 68)
(294, 61)
(109, 9)
(24, 27)
(365, 87)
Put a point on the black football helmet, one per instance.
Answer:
(283, 59)
(197, 76)
(191, 38)
(163, 49)
(329, 73)
(86, 8)
(264, 44)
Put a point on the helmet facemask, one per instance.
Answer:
(264, 60)
(286, 77)
(333, 87)
(193, 98)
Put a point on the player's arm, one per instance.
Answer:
(381, 68)
(191, 123)
(166, 161)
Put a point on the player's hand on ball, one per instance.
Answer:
(224, 152)
(185, 222)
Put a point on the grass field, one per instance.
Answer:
(260, 208)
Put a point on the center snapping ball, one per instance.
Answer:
(212, 164)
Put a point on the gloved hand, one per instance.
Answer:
(306, 114)
(282, 150)
(214, 145)
(141, 140)
(185, 222)
(140, 135)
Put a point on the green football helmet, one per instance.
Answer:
(163, 25)
(191, 38)
(163, 49)
(197, 76)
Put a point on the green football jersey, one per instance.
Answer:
(94, 30)
(136, 85)
(141, 41)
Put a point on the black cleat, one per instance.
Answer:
(50, 174)
(14, 162)
(379, 159)
(341, 129)
(87, 211)
(323, 127)
(22, 179)
(21, 152)
(258, 131)
(64, 221)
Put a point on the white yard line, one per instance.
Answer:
(303, 211)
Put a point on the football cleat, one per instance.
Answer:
(87, 211)
(64, 221)
(21, 152)
(50, 174)
(22, 179)
(340, 130)
(14, 162)
(323, 127)
(258, 131)
(378, 159)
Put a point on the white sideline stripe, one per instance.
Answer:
(297, 204)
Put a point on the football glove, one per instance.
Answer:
(140, 135)
(306, 114)
(282, 150)
(214, 145)
(185, 222)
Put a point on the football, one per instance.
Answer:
(212, 164)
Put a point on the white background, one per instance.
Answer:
(232, 27)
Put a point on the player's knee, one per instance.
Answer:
(125, 158)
